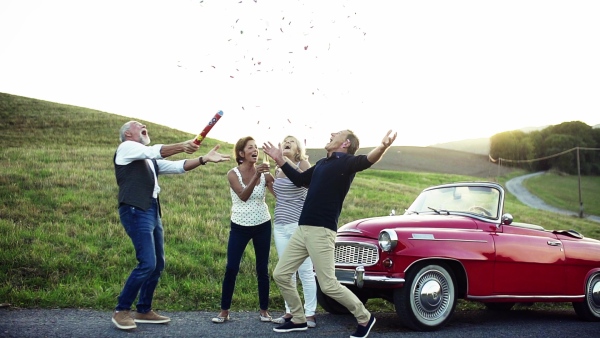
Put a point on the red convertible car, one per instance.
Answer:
(456, 242)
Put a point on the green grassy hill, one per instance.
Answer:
(61, 242)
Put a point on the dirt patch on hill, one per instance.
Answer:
(432, 160)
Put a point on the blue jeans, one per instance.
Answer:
(239, 236)
(146, 233)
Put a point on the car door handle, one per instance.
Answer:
(554, 243)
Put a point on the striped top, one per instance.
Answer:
(255, 210)
(288, 202)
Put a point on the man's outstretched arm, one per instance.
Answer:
(377, 153)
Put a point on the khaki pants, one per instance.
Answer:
(318, 243)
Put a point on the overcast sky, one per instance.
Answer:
(434, 71)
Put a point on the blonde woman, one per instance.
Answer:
(289, 200)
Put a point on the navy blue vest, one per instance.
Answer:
(136, 183)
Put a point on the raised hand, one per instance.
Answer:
(388, 140)
(214, 156)
(276, 153)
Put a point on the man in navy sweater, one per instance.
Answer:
(328, 183)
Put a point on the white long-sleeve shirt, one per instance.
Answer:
(129, 151)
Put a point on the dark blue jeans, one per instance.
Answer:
(239, 236)
(146, 233)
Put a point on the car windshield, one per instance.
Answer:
(479, 200)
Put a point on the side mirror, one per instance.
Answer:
(506, 219)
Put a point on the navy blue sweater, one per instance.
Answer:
(328, 183)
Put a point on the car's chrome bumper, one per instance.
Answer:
(359, 278)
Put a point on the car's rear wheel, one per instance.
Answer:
(332, 306)
(427, 299)
(499, 306)
(589, 309)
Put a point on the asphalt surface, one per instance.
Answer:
(515, 187)
(519, 322)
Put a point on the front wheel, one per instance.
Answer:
(427, 299)
(589, 309)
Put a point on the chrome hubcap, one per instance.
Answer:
(431, 296)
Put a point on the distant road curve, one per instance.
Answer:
(515, 187)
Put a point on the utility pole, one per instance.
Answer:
(579, 180)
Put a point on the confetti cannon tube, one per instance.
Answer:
(208, 127)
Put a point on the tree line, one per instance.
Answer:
(567, 147)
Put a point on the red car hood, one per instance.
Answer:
(370, 227)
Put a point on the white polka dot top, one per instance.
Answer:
(255, 210)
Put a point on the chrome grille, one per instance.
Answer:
(354, 254)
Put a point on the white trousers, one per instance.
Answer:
(282, 235)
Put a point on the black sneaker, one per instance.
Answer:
(281, 320)
(290, 327)
(363, 331)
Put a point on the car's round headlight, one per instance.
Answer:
(387, 240)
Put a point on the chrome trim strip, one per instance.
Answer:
(520, 297)
(359, 278)
(352, 230)
(376, 279)
(449, 240)
(356, 243)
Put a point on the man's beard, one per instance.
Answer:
(144, 139)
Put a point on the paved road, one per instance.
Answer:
(515, 187)
(519, 322)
